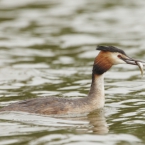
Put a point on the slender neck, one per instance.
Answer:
(96, 93)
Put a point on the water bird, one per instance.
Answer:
(107, 57)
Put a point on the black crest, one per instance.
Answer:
(110, 48)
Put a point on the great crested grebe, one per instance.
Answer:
(107, 57)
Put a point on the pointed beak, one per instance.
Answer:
(132, 61)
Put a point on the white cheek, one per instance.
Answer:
(119, 61)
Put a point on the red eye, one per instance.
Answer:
(119, 56)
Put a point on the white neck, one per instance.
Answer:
(96, 94)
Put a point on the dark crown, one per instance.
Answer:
(110, 48)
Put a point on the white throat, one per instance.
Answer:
(96, 93)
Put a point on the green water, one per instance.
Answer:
(47, 48)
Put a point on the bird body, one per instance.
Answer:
(54, 105)
(107, 57)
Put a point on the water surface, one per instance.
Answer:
(48, 47)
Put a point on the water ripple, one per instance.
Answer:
(47, 48)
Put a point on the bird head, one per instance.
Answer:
(110, 55)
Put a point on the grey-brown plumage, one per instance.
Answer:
(50, 105)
